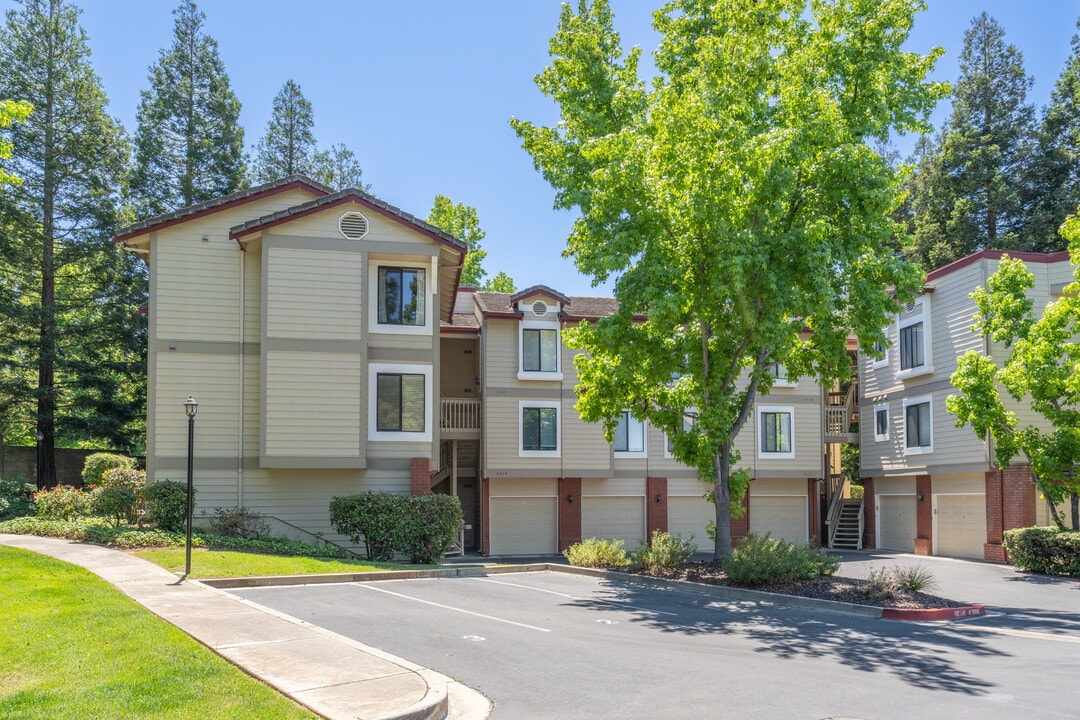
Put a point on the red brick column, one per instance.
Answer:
(740, 527)
(485, 516)
(569, 512)
(869, 536)
(1010, 503)
(420, 475)
(813, 505)
(924, 515)
(656, 506)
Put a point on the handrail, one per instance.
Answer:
(862, 507)
(837, 504)
(459, 414)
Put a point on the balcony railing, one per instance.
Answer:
(460, 415)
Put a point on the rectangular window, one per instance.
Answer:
(912, 352)
(539, 428)
(881, 422)
(917, 425)
(401, 295)
(629, 434)
(775, 432)
(399, 403)
(539, 350)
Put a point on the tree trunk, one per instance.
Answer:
(1074, 501)
(46, 395)
(722, 498)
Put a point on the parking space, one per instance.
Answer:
(553, 645)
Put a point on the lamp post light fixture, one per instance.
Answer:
(190, 407)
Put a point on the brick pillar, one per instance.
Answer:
(869, 536)
(813, 505)
(656, 506)
(485, 516)
(740, 527)
(924, 515)
(569, 512)
(420, 476)
(1010, 503)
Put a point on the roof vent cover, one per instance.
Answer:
(539, 308)
(353, 225)
(910, 307)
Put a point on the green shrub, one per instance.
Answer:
(1044, 550)
(880, 584)
(666, 552)
(596, 553)
(116, 503)
(428, 525)
(856, 492)
(16, 498)
(96, 465)
(239, 522)
(915, 578)
(758, 561)
(166, 504)
(371, 516)
(63, 502)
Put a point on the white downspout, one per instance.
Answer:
(240, 394)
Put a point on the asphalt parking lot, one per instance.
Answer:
(552, 645)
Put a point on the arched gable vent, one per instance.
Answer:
(353, 225)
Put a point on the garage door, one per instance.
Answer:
(897, 522)
(690, 516)
(619, 518)
(523, 526)
(960, 525)
(781, 516)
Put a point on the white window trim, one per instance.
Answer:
(922, 315)
(888, 421)
(763, 455)
(884, 361)
(430, 307)
(919, 449)
(540, 324)
(784, 382)
(375, 435)
(557, 452)
(687, 423)
(644, 452)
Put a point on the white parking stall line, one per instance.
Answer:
(463, 611)
(616, 603)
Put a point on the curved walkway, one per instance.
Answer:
(334, 676)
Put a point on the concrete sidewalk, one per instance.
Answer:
(334, 676)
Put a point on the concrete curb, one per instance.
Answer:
(934, 614)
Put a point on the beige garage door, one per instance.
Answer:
(619, 518)
(782, 516)
(897, 523)
(523, 526)
(960, 525)
(690, 516)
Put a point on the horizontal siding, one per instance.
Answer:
(314, 404)
(894, 486)
(777, 486)
(313, 294)
(523, 487)
(325, 225)
(687, 486)
(614, 486)
(213, 380)
(500, 353)
(958, 483)
(584, 444)
(253, 302)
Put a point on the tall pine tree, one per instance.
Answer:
(60, 269)
(189, 146)
(974, 200)
(1054, 175)
(288, 147)
(338, 167)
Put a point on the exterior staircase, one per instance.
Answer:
(849, 527)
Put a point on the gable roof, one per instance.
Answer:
(341, 197)
(217, 204)
(575, 308)
(1028, 257)
(539, 290)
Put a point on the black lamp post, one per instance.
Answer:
(190, 407)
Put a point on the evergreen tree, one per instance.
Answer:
(462, 222)
(288, 147)
(10, 112)
(974, 199)
(1054, 174)
(58, 299)
(189, 144)
(338, 167)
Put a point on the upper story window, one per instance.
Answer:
(400, 402)
(882, 348)
(780, 373)
(539, 345)
(913, 338)
(918, 425)
(539, 428)
(401, 295)
(777, 427)
(629, 435)
(881, 423)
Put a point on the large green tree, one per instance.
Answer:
(1042, 371)
(58, 299)
(461, 221)
(288, 147)
(1053, 182)
(735, 202)
(189, 146)
(973, 199)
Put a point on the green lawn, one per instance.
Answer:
(72, 646)
(231, 563)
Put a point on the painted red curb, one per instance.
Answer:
(955, 613)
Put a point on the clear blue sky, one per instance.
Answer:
(421, 90)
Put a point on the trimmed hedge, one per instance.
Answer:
(758, 561)
(95, 466)
(1044, 550)
(166, 504)
(596, 553)
(421, 527)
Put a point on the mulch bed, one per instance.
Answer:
(827, 587)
